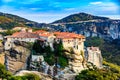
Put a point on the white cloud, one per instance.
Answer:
(38, 17)
(95, 3)
(103, 8)
(109, 7)
(28, 1)
(35, 8)
(69, 9)
(6, 8)
(55, 4)
(112, 16)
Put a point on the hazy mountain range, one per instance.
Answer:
(8, 21)
(83, 23)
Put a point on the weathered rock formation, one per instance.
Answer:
(76, 61)
(41, 75)
(16, 57)
(2, 58)
(93, 55)
(107, 29)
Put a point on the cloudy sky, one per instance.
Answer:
(49, 10)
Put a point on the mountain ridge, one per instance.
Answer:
(8, 21)
(14, 17)
(80, 17)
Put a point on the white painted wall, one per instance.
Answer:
(76, 44)
(10, 40)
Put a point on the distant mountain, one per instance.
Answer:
(102, 29)
(90, 25)
(5, 19)
(80, 17)
(15, 17)
(8, 21)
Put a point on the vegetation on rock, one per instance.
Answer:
(109, 72)
(6, 75)
(51, 57)
(8, 32)
(79, 17)
(94, 41)
(8, 21)
(3, 73)
(110, 51)
(28, 76)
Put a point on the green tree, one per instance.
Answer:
(63, 61)
(17, 78)
(94, 41)
(3, 73)
(50, 59)
(8, 32)
(28, 76)
(110, 72)
(58, 48)
(31, 76)
(38, 47)
(59, 54)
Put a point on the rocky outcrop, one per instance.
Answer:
(90, 26)
(114, 30)
(2, 58)
(107, 29)
(76, 61)
(93, 55)
(2, 55)
(41, 75)
(16, 57)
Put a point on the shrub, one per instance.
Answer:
(31, 76)
(4, 74)
(62, 61)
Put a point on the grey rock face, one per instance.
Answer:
(16, 57)
(107, 29)
(93, 55)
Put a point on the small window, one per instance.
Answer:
(68, 41)
(73, 46)
(77, 46)
(8, 44)
(29, 39)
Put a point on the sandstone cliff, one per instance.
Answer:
(16, 57)
(76, 61)
(2, 59)
(93, 55)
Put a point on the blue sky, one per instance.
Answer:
(50, 10)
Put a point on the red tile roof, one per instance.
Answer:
(63, 35)
(67, 35)
(25, 35)
(45, 35)
(40, 31)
